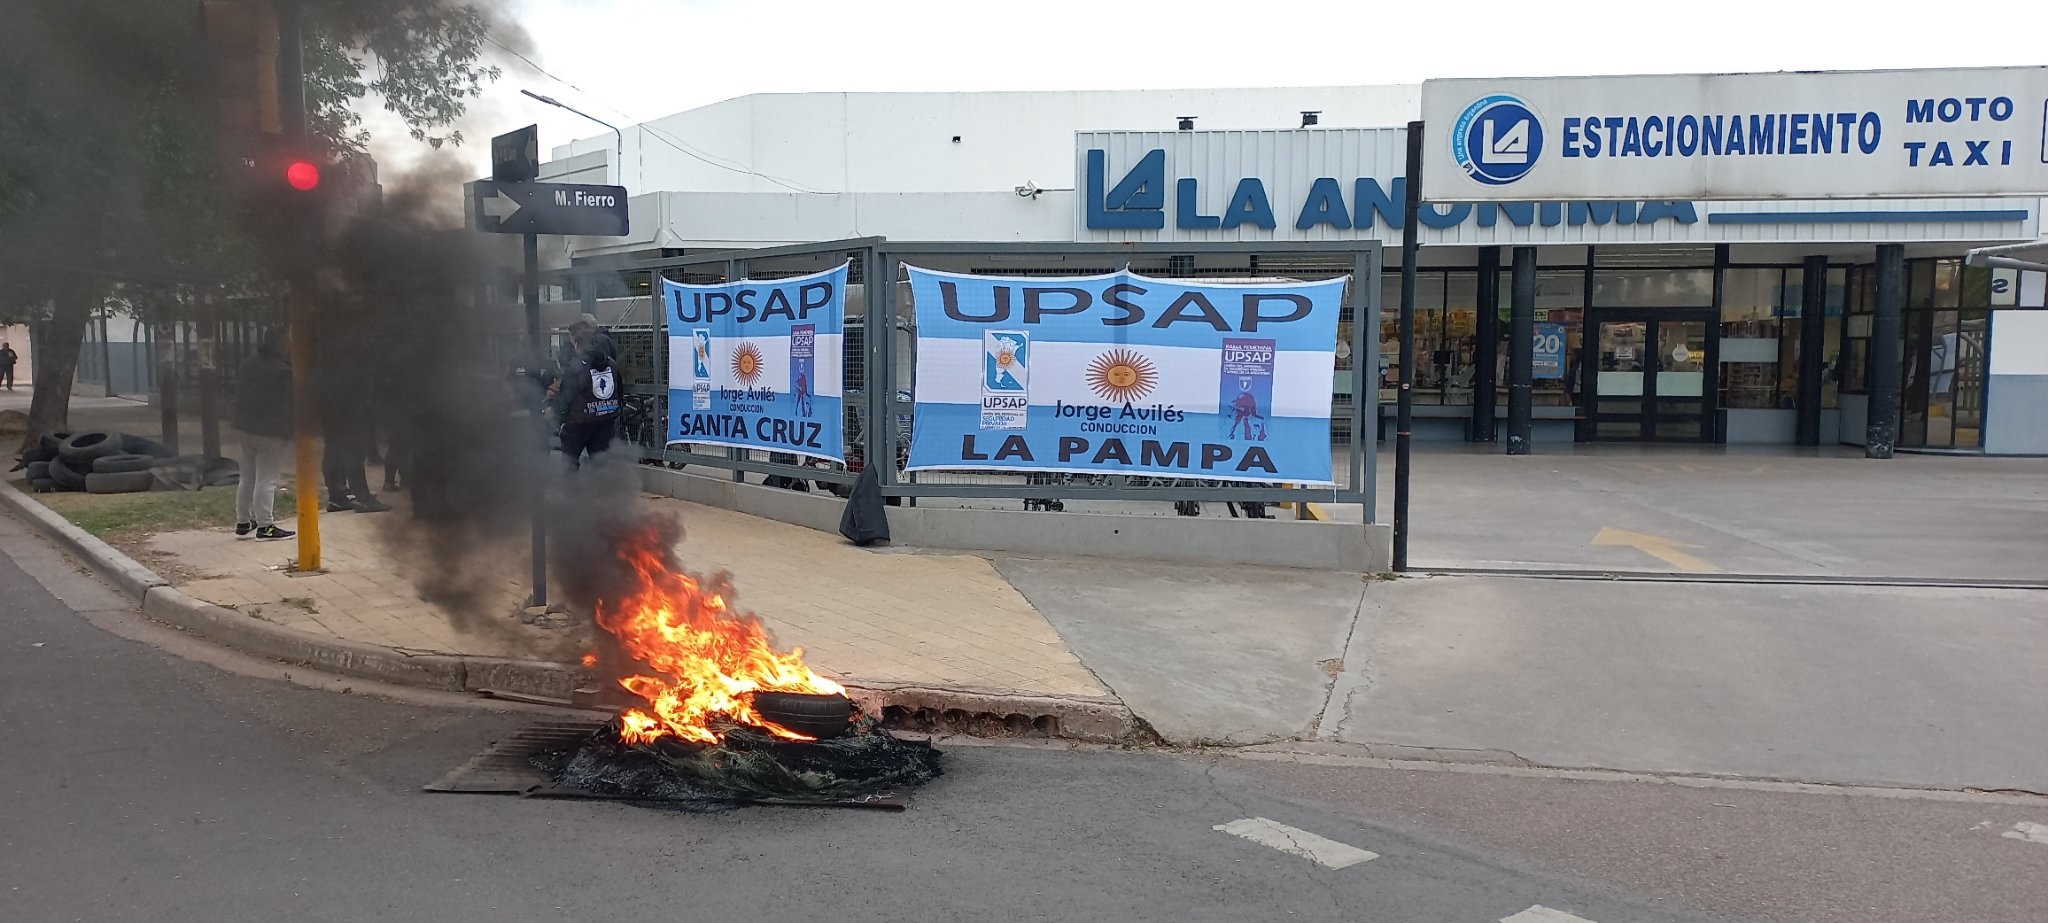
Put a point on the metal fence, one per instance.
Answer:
(879, 361)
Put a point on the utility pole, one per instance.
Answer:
(305, 231)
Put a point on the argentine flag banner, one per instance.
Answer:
(1124, 374)
(755, 364)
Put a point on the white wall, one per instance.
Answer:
(903, 142)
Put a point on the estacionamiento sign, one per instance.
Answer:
(1813, 135)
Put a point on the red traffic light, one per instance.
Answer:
(302, 175)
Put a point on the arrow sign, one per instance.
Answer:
(1656, 546)
(551, 208)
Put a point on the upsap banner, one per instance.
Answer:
(1804, 135)
(755, 365)
(1125, 374)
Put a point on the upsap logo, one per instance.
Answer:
(1006, 362)
(1256, 353)
(1497, 139)
(701, 353)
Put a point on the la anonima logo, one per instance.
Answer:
(1497, 140)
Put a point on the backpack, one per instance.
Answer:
(597, 393)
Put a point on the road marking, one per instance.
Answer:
(1542, 914)
(2028, 831)
(1656, 546)
(1297, 842)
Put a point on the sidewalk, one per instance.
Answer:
(870, 618)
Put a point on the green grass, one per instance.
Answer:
(127, 515)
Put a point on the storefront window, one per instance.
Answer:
(1560, 301)
(1653, 288)
(1855, 334)
(1432, 355)
(1752, 330)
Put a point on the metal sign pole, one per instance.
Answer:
(530, 290)
(1405, 398)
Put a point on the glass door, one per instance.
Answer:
(1651, 377)
(1680, 412)
(1620, 409)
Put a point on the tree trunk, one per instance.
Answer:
(57, 341)
(165, 336)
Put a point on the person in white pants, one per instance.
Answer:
(263, 418)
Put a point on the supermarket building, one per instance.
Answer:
(1658, 321)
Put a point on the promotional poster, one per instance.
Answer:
(1124, 374)
(756, 364)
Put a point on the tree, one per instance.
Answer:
(108, 168)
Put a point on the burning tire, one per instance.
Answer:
(120, 482)
(82, 449)
(118, 463)
(821, 716)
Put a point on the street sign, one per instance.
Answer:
(515, 156)
(551, 208)
(1812, 135)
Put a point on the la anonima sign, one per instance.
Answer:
(1796, 135)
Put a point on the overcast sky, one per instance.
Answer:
(633, 60)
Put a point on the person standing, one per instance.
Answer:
(347, 430)
(8, 358)
(263, 419)
(587, 402)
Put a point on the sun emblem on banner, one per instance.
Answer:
(746, 363)
(1122, 375)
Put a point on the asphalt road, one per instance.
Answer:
(145, 776)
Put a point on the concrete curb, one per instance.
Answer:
(133, 578)
(917, 707)
(1094, 720)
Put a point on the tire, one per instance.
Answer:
(119, 482)
(43, 485)
(81, 449)
(51, 442)
(820, 716)
(118, 463)
(64, 476)
(38, 469)
(136, 445)
(38, 453)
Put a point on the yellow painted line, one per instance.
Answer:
(1656, 546)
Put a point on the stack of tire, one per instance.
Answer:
(94, 461)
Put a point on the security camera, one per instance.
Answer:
(1029, 190)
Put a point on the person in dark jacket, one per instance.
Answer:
(263, 419)
(347, 429)
(587, 402)
(8, 358)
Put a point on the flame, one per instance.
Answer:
(708, 659)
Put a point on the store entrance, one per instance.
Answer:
(1651, 375)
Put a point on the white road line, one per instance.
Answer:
(1542, 914)
(2028, 831)
(1297, 842)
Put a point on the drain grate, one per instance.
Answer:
(506, 768)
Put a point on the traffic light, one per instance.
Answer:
(303, 175)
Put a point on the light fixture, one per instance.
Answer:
(1187, 123)
(1310, 117)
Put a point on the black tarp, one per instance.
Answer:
(865, 521)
